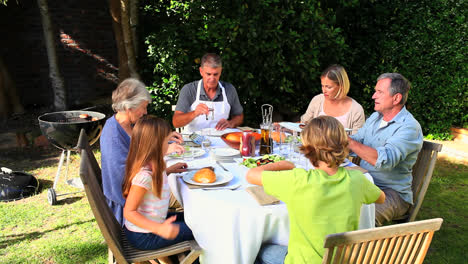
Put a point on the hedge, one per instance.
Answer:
(274, 51)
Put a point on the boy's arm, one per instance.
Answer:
(381, 198)
(254, 175)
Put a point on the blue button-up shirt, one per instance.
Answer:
(397, 144)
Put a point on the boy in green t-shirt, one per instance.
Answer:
(322, 201)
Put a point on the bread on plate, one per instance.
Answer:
(205, 175)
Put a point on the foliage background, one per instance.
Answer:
(274, 51)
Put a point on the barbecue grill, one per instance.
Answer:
(62, 129)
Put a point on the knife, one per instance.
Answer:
(222, 167)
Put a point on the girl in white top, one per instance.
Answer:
(145, 187)
(334, 100)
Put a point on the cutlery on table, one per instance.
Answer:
(232, 187)
(222, 167)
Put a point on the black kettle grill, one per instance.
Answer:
(63, 129)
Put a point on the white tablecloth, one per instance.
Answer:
(230, 226)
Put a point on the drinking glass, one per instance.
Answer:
(188, 155)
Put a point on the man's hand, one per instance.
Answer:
(223, 124)
(201, 109)
(174, 147)
(177, 168)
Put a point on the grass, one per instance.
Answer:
(32, 231)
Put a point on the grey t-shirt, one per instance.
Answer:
(189, 92)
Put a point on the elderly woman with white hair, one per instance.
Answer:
(129, 101)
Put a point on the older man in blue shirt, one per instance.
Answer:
(388, 144)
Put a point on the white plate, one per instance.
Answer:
(215, 133)
(346, 163)
(291, 126)
(197, 152)
(225, 152)
(221, 178)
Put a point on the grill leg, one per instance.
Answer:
(62, 157)
(68, 163)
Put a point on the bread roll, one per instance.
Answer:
(205, 175)
(235, 137)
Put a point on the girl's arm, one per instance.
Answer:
(166, 230)
(254, 175)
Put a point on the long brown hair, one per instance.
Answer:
(324, 139)
(146, 148)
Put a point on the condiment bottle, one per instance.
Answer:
(247, 144)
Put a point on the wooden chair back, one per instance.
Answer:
(422, 174)
(90, 174)
(401, 243)
(179, 129)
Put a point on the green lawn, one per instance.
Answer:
(32, 231)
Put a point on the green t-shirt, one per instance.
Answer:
(318, 205)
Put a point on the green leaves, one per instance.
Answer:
(266, 48)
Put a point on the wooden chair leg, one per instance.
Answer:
(110, 256)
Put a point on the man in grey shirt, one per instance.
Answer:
(208, 103)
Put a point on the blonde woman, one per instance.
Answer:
(334, 100)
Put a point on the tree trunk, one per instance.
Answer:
(114, 7)
(127, 37)
(134, 24)
(60, 94)
(9, 101)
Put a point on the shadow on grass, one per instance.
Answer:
(9, 240)
(446, 198)
(28, 158)
(81, 253)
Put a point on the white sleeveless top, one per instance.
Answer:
(343, 119)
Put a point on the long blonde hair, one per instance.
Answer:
(337, 74)
(324, 139)
(146, 148)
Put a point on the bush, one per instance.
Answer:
(273, 51)
(423, 40)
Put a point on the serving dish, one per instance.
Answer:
(233, 139)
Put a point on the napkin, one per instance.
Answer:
(200, 164)
(246, 128)
(262, 198)
(357, 168)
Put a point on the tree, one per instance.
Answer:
(124, 22)
(58, 86)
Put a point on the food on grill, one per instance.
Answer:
(205, 175)
(94, 119)
(265, 159)
(84, 116)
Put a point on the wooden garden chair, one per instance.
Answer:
(119, 249)
(401, 243)
(422, 174)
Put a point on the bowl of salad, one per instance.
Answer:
(259, 161)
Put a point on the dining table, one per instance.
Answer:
(229, 224)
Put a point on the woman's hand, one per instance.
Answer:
(176, 137)
(174, 147)
(168, 230)
(177, 168)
